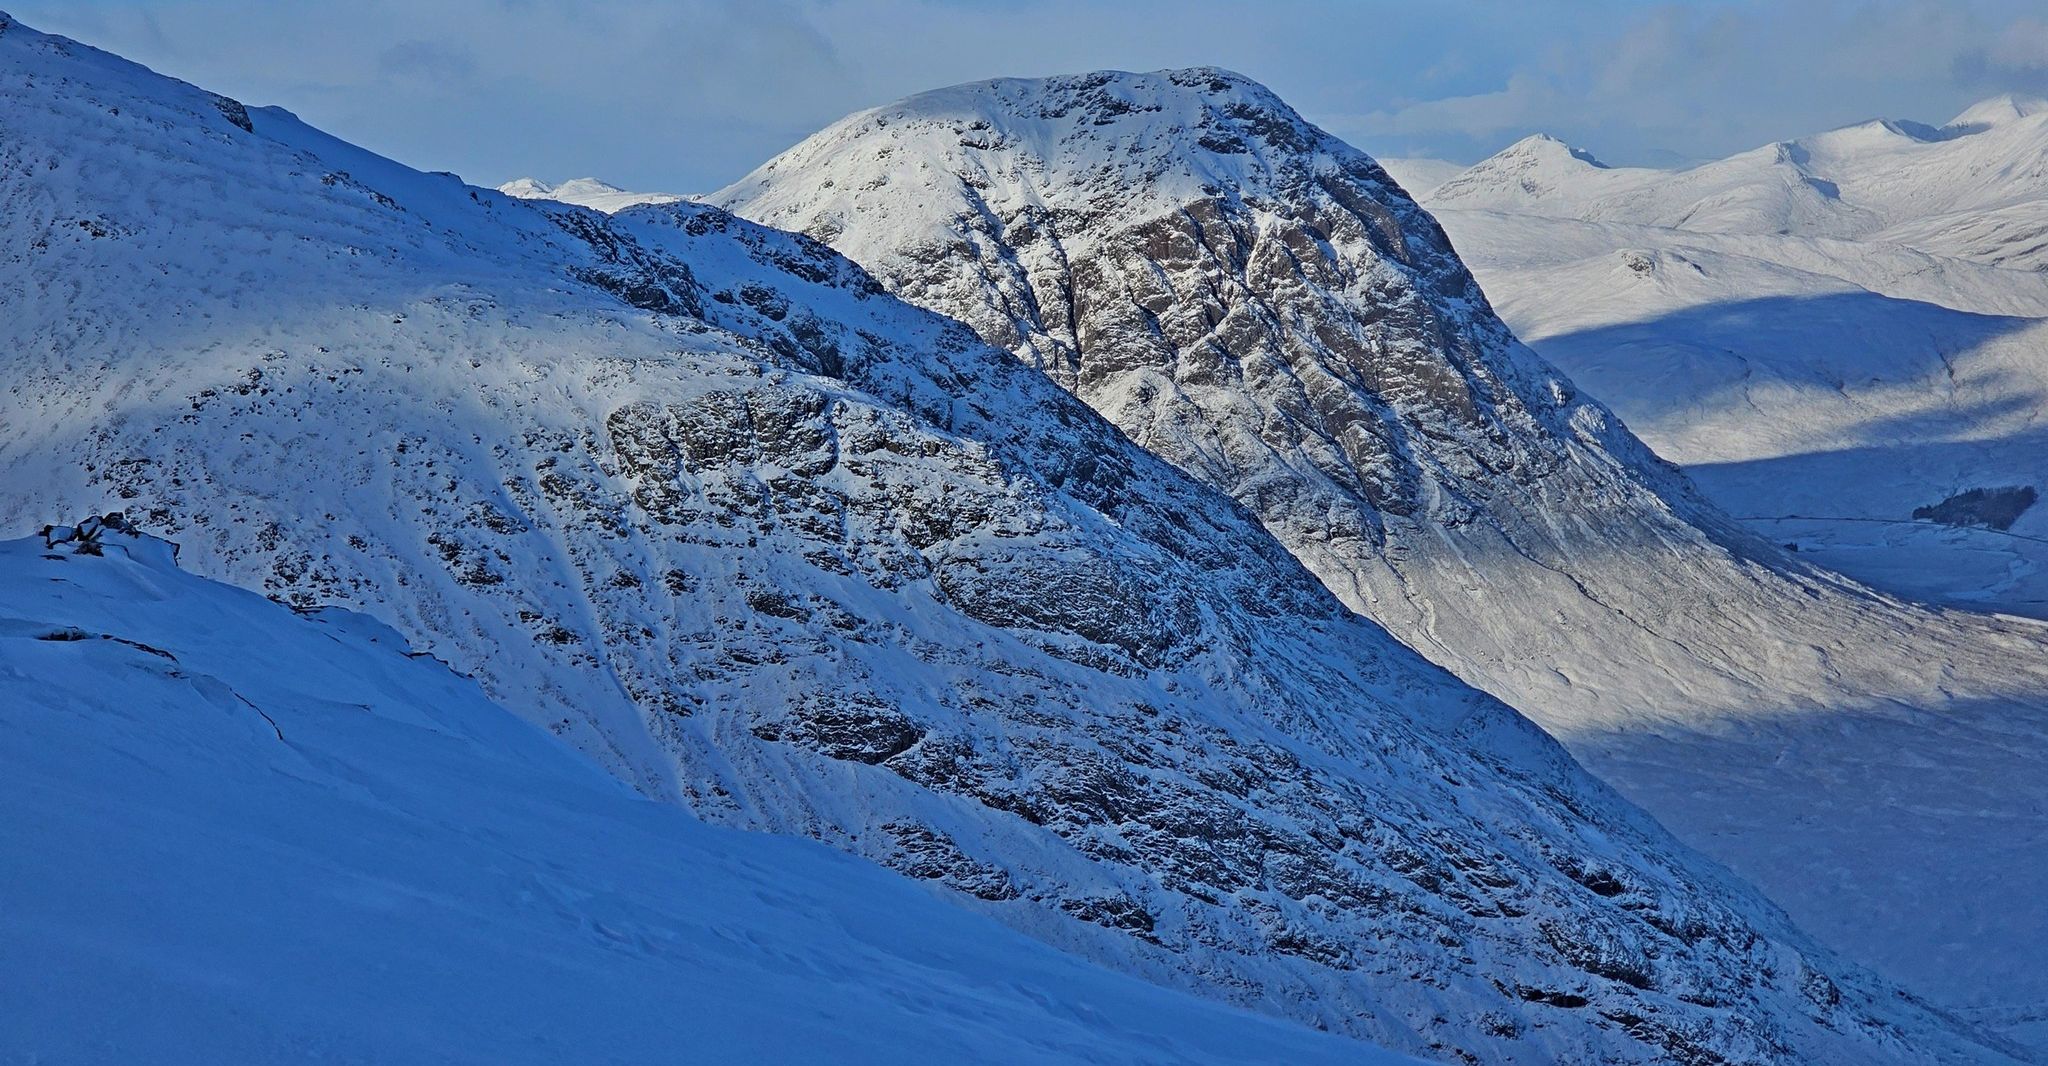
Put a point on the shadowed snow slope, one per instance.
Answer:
(238, 835)
(1257, 302)
(702, 499)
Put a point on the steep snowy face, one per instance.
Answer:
(1255, 301)
(703, 500)
(238, 832)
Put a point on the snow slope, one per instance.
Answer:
(584, 192)
(1257, 302)
(700, 498)
(240, 835)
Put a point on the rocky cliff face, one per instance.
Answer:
(701, 498)
(1259, 303)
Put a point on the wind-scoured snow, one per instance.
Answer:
(1259, 303)
(701, 499)
(234, 834)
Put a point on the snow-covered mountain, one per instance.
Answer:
(236, 834)
(1257, 302)
(1974, 188)
(584, 192)
(700, 498)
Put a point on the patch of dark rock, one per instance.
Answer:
(1569, 1000)
(1992, 508)
(1317, 949)
(855, 727)
(776, 603)
(925, 853)
(1598, 881)
(765, 300)
(1820, 989)
(1111, 912)
(234, 112)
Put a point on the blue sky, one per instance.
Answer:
(685, 96)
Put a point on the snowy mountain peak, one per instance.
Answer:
(1976, 188)
(528, 189)
(1533, 168)
(1998, 110)
(1543, 145)
(1309, 342)
(584, 192)
(1120, 146)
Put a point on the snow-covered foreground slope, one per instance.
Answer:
(233, 834)
(584, 192)
(1256, 301)
(703, 500)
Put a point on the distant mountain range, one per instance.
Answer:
(584, 192)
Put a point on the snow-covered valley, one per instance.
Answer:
(1835, 335)
(1088, 607)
